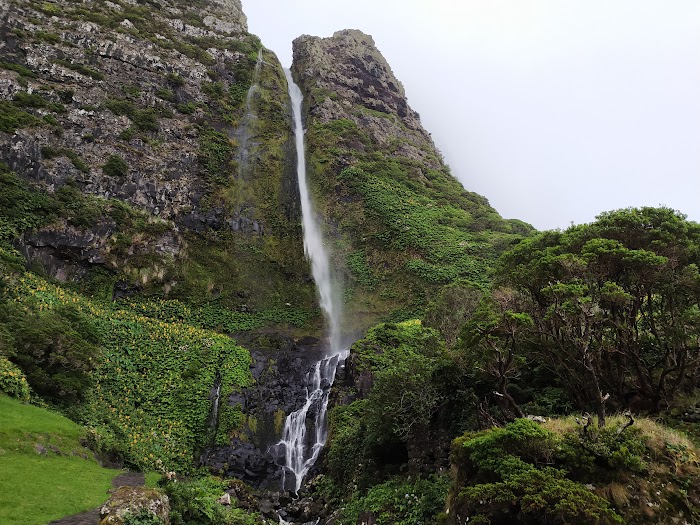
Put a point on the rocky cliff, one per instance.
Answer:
(168, 122)
(403, 226)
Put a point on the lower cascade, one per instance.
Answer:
(305, 430)
(302, 447)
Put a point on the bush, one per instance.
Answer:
(56, 350)
(508, 478)
(115, 166)
(194, 502)
(142, 518)
(397, 502)
(12, 118)
(12, 380)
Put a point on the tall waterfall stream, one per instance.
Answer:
(303, 442)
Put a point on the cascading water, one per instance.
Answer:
(243, 132)
(300, 449)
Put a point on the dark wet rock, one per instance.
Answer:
(280, 367)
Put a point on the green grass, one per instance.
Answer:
(37, 488)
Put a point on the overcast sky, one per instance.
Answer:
(555, 110)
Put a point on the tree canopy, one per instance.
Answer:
(614, 305)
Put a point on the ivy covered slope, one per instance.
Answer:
(163, 128)
(402, 224)
(141, 386)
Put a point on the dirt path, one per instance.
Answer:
(92, 517)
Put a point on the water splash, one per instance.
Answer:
(302, 441)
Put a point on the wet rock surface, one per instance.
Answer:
(280, 370)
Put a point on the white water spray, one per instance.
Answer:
(301, 451)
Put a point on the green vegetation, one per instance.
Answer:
(146, 397)
(567, 473)
(213, 317)
(80, 68)
(49, 152)
(13, 382)
(13, 118)
(400, 502)
(195, 502)
(406, 229)
(612, 308)
(18, 68)
(143, 119)
(411, 390)
(216, 155)
(115, 166)
(42, 460)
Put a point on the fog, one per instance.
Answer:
(554, 111)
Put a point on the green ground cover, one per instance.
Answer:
(147, 400)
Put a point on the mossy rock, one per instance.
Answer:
(132, 501)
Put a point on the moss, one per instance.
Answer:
(279, 419)
(216, 155)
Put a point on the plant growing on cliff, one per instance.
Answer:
(216, 155)
(115, 166)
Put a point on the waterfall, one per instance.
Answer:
(313, 239)
(243, 132)
(302, 450)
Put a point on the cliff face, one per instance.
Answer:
(403, 226)
(171, 109)
(346, 77)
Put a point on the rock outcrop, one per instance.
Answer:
(128, 502)
(346, 77)
(280, 368)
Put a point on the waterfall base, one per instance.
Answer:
(280, 368)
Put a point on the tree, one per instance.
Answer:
(615, 305)
(492, 343)
(451, 308)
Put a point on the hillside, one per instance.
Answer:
(163, 130)
(402, 224)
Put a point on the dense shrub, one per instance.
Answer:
(564, 472)
(194, 502)
(55, 349)
(115, 166)
(400, 502)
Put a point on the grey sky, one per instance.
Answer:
(554, 110)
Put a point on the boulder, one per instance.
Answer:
(132, 501)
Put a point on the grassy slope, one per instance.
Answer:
(401, 229)
(53, 484)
